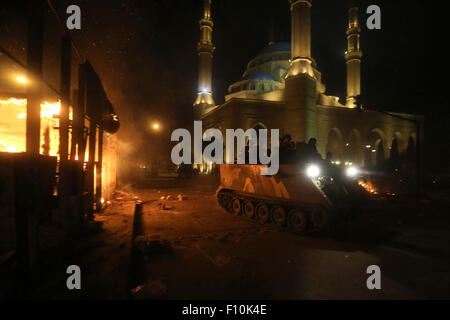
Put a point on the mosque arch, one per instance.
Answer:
(354, 148)
(413, 137)
(396, 151)
(411, 150)
(335, 144)
(257, 126)
(401, 142)
(375, 149)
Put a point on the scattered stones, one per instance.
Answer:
(136, 290)
(164, 207)
(169, 197)
(152, 289)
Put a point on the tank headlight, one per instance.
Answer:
(352, 172)
(313, 171)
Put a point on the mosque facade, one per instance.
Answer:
(282, 89)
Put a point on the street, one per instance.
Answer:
(227, 257)
(187, 247)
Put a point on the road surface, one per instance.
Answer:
(196, 250)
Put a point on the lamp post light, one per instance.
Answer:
(22, 79)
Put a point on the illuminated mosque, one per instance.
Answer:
(282, 89)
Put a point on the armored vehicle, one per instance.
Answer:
(301, 197)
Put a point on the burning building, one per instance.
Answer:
(57, 146)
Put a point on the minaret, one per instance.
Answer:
(205, 49)
(353, 57)
(301, 38)
(301, 83)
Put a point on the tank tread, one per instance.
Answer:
(297, 218)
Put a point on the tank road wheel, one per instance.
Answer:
(236, 206)
(279, 216)
(249, 209)
(263, 212)
(298, 221)
(224, 199)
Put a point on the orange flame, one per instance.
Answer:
(13, 125)
(368, 186)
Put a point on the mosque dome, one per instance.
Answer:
(267, 71)
(258, 76)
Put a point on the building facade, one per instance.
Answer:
(282, 89)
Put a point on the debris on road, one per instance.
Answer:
(152, 289)
(164, 207)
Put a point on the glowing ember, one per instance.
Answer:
(368, 186)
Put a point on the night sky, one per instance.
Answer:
(145, 54)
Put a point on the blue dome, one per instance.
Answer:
(277, 47)
(258, 76)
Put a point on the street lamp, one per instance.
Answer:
(22, 79)
(156, 126)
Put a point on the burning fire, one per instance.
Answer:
(48, 110)
(368, 186)
(13, 126)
